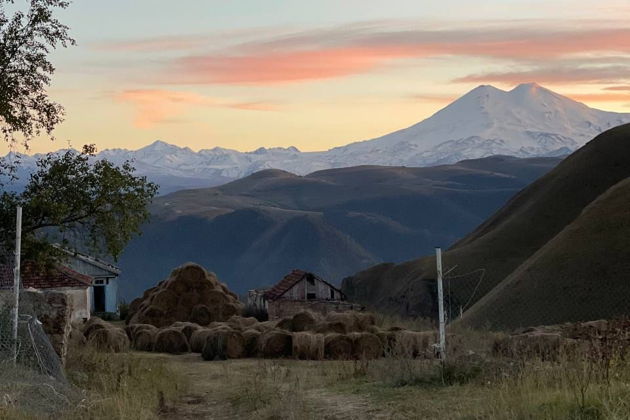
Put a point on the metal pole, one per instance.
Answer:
(438, 257)
(16, 279)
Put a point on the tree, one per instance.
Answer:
(71, 196)
(26, 40)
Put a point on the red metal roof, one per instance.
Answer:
(39, 278)
(289, 281)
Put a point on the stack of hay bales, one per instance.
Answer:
(104, 336)
(190, 294)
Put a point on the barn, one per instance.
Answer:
(297, 291)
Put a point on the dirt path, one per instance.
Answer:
(259, 389)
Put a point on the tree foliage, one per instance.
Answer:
(26, 39)
(96, 203)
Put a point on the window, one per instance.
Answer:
(311, 296)
(310, 280)
(332, 294)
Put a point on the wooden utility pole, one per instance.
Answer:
(16, 280)
(440, 290)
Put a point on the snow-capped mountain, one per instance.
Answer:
(528, 120)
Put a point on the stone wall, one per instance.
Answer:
(283, 308)
(52, 308)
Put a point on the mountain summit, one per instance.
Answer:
(527, 121)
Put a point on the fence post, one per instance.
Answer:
(440, 290)
(16, 279)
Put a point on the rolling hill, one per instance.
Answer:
(529, 250)
(333, 222)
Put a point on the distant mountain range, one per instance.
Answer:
(253, 231)
(558, 251)
(527, 121)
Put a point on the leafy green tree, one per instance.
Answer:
(26, 39)
(95, 202)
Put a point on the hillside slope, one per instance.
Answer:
(334, 222)
(583, 273)
(508, 238)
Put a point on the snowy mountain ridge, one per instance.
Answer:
(526, 121)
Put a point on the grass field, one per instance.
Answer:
(474, 384)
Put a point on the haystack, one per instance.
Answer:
(223, 344)
(109, 339)
(198, 340)
(240, 323)
(275, 343)
(133, 330)
(535, 345)
(414, 344)
(187, 328)
(171, 340)
(144, 340)
(354, 321)
(331, 327)
(93, 324)
(337, 347)
(251, 338)
(190, 294)
(308, 346)
(365, 346)
(304, 321)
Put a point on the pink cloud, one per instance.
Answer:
(154, 106)
(553, 74)
(329, 54)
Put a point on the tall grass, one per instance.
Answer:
(101, 386)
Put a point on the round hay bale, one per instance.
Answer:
(109, 339)
(388, 341)
(148, 292)
(175, 286)
(191, 274)
(164, 299)
(144, 340)
(337, 347)
(171, 340)
(364, 320)
(275, 344)
(76, 339)
(186, 327)
(134, 329)
(189, 300)
(331, 327)
(304, 321)
(216, 298)
(308, 346)
(346, 318)
(285, 324)
(230, 310)
(366, 346)
(221, 345)
(198, 340)
(93, 324)
(264, 326)
(240, 323)
(251, 338)
(202, 315)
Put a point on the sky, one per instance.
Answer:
(244, 74)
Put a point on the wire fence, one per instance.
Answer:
(526, 305)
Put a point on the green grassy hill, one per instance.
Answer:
(507, 239)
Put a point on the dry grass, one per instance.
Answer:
(101, 386)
